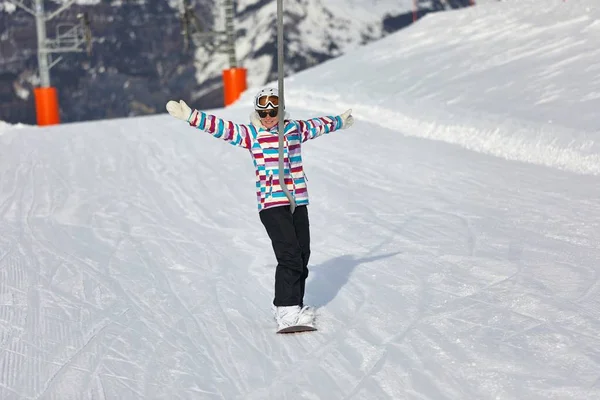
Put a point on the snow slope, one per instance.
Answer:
(133, 263)
(519, 80)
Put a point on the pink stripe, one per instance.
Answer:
(288, 181)
(246, 137)
(229, 133)
(270, 139)
(275, 159)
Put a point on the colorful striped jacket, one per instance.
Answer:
(263, 145)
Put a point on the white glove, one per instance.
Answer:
(347, 119)
(179, 110)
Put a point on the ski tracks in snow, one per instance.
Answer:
(132, 266)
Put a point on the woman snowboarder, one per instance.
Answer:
(289, 232)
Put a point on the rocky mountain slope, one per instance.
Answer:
(138, 58)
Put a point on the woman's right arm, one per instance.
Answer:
(235, 134)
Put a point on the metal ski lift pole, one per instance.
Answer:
(281, 113)
(71, 40)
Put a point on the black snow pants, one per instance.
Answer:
(290, 237)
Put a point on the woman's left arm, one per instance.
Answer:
(315, 127)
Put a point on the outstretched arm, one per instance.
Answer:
(235, 134)
(315, 127)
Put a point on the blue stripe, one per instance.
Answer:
(339, 121)
(278, 195)
(238, 139)
(202, 119)
(220, 130)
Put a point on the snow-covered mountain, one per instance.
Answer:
(138, 59)
(314, 32)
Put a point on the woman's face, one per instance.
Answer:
(268, 117)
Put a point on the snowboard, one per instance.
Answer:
(297, 329)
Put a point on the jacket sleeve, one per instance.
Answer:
(235, 134)
(315, 127)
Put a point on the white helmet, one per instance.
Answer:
(266, 98)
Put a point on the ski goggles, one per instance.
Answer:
(266, 101)
(264, 113)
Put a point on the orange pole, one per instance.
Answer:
(234, 84)
(46, 105)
